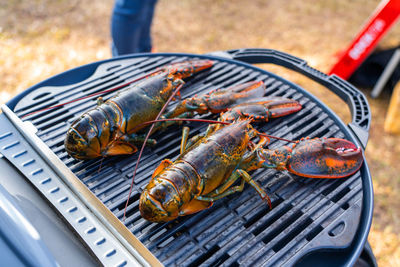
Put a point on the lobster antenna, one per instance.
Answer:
(101, 164)
(91, 95)
(179, 119)
(276, 137)
(144, 144)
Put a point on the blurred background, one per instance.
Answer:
(41, 38)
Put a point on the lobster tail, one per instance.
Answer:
(89, 136)
(170, 188)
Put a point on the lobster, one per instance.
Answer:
(210, 164)
(106, 130)
(116, 126)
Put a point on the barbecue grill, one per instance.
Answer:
(312, 220)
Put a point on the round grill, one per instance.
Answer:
(307, 214)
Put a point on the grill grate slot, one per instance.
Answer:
(236, 230)
(291, 235)
(207, 255)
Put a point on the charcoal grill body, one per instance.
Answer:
(313, 220)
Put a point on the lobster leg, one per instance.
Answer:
(193, 140)
(218, 195)
(185, 135)
(137, 139)
(185, 143)
(224, 189)
(245, 176)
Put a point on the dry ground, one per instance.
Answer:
(41, 38)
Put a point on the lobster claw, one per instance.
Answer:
(263, 109)
(186, 69)
(325, 158)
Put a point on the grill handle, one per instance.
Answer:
(359, 107)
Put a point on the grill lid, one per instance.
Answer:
(307, 214)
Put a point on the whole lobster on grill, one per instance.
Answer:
(209, 165)
(115, 127)
(106, 130)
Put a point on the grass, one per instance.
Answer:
(41, 38)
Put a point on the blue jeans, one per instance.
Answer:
(130, 26)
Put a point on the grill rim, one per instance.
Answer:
(366, 216)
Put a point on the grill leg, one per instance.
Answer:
(367, 258)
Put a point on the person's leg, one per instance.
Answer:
(145, 44)
(126, 26)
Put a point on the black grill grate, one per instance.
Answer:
(237, 230)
